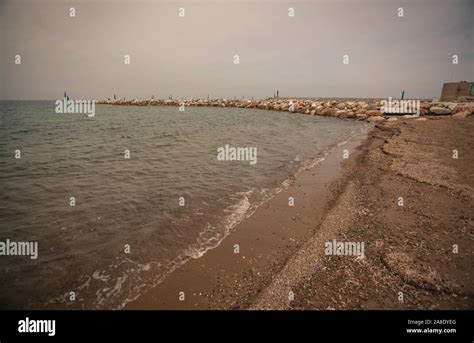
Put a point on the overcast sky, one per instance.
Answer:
(193, 56)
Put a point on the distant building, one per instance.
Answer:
(457, 91)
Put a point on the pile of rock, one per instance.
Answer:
(457, 110)
(442, 107)
(355, 109)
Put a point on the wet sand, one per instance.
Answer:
(281, 262)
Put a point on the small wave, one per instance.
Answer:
(211, 238)
(113, 293)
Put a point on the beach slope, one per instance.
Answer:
(410, 200)
(406, 193)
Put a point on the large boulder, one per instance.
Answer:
(345, 114)
(464, 107)
(440, 110)
(331, 112)
(376, 119)
(461, 115)
(319, 109)
(373, 113)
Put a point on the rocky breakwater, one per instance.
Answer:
(458, 110)
(369, 110)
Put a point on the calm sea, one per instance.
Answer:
(135, 219)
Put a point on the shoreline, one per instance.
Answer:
(419, 255)
(217, 278)
(408, 249)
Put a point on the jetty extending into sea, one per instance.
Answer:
(373, 110)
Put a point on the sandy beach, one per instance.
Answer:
(294, 163)
(417, 256)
